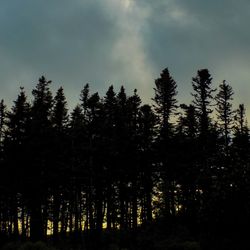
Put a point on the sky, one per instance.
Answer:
(123, 42)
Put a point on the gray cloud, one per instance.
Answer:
(122, 42)
(188, 35)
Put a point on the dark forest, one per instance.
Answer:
(115, 173)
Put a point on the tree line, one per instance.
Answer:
(114, 163)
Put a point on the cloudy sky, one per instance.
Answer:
(127, 42)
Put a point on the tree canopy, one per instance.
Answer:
(115, 164)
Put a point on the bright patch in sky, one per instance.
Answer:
(127, 3)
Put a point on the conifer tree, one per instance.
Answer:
(225, 112)
(121, 147)
(109, 133)
(189, 121)
(165, 101)
(42, 105)
(241, 134)
(59, 118)
(186, 158)
(147, 122)
(40, 157)
(84, 97)
(76, 118)
(203, 100)
(165, 104)
(78, 172)
(60, 111)
(15, 143)
(19, 117)
(133, 110)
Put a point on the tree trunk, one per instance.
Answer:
(36, 223)
(134, 205)
(15, 218)
(56, 208)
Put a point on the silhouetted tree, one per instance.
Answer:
(225, 112)
(202, 101)
(165, 104)
(133, 109)
(189, 121)
(78, 174)
(15, 143)
(40, 157)
(241, 135)
(147, 134)
(165, 101)
(144, 172)
(59, 119)
(109, 133)
(84, 97)
(188, 171)
(60, 112)
(121, 147)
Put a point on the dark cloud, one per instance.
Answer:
(122, 42)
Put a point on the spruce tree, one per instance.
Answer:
(16, 155)
(60, 111)
(225, 112)
(133, 112)
(84, 97)
(147, 133)
(109, 133)
(40, 142)
(241, 133)
(165, 101)
(203, 97)
(59, 119)
(165, 105)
